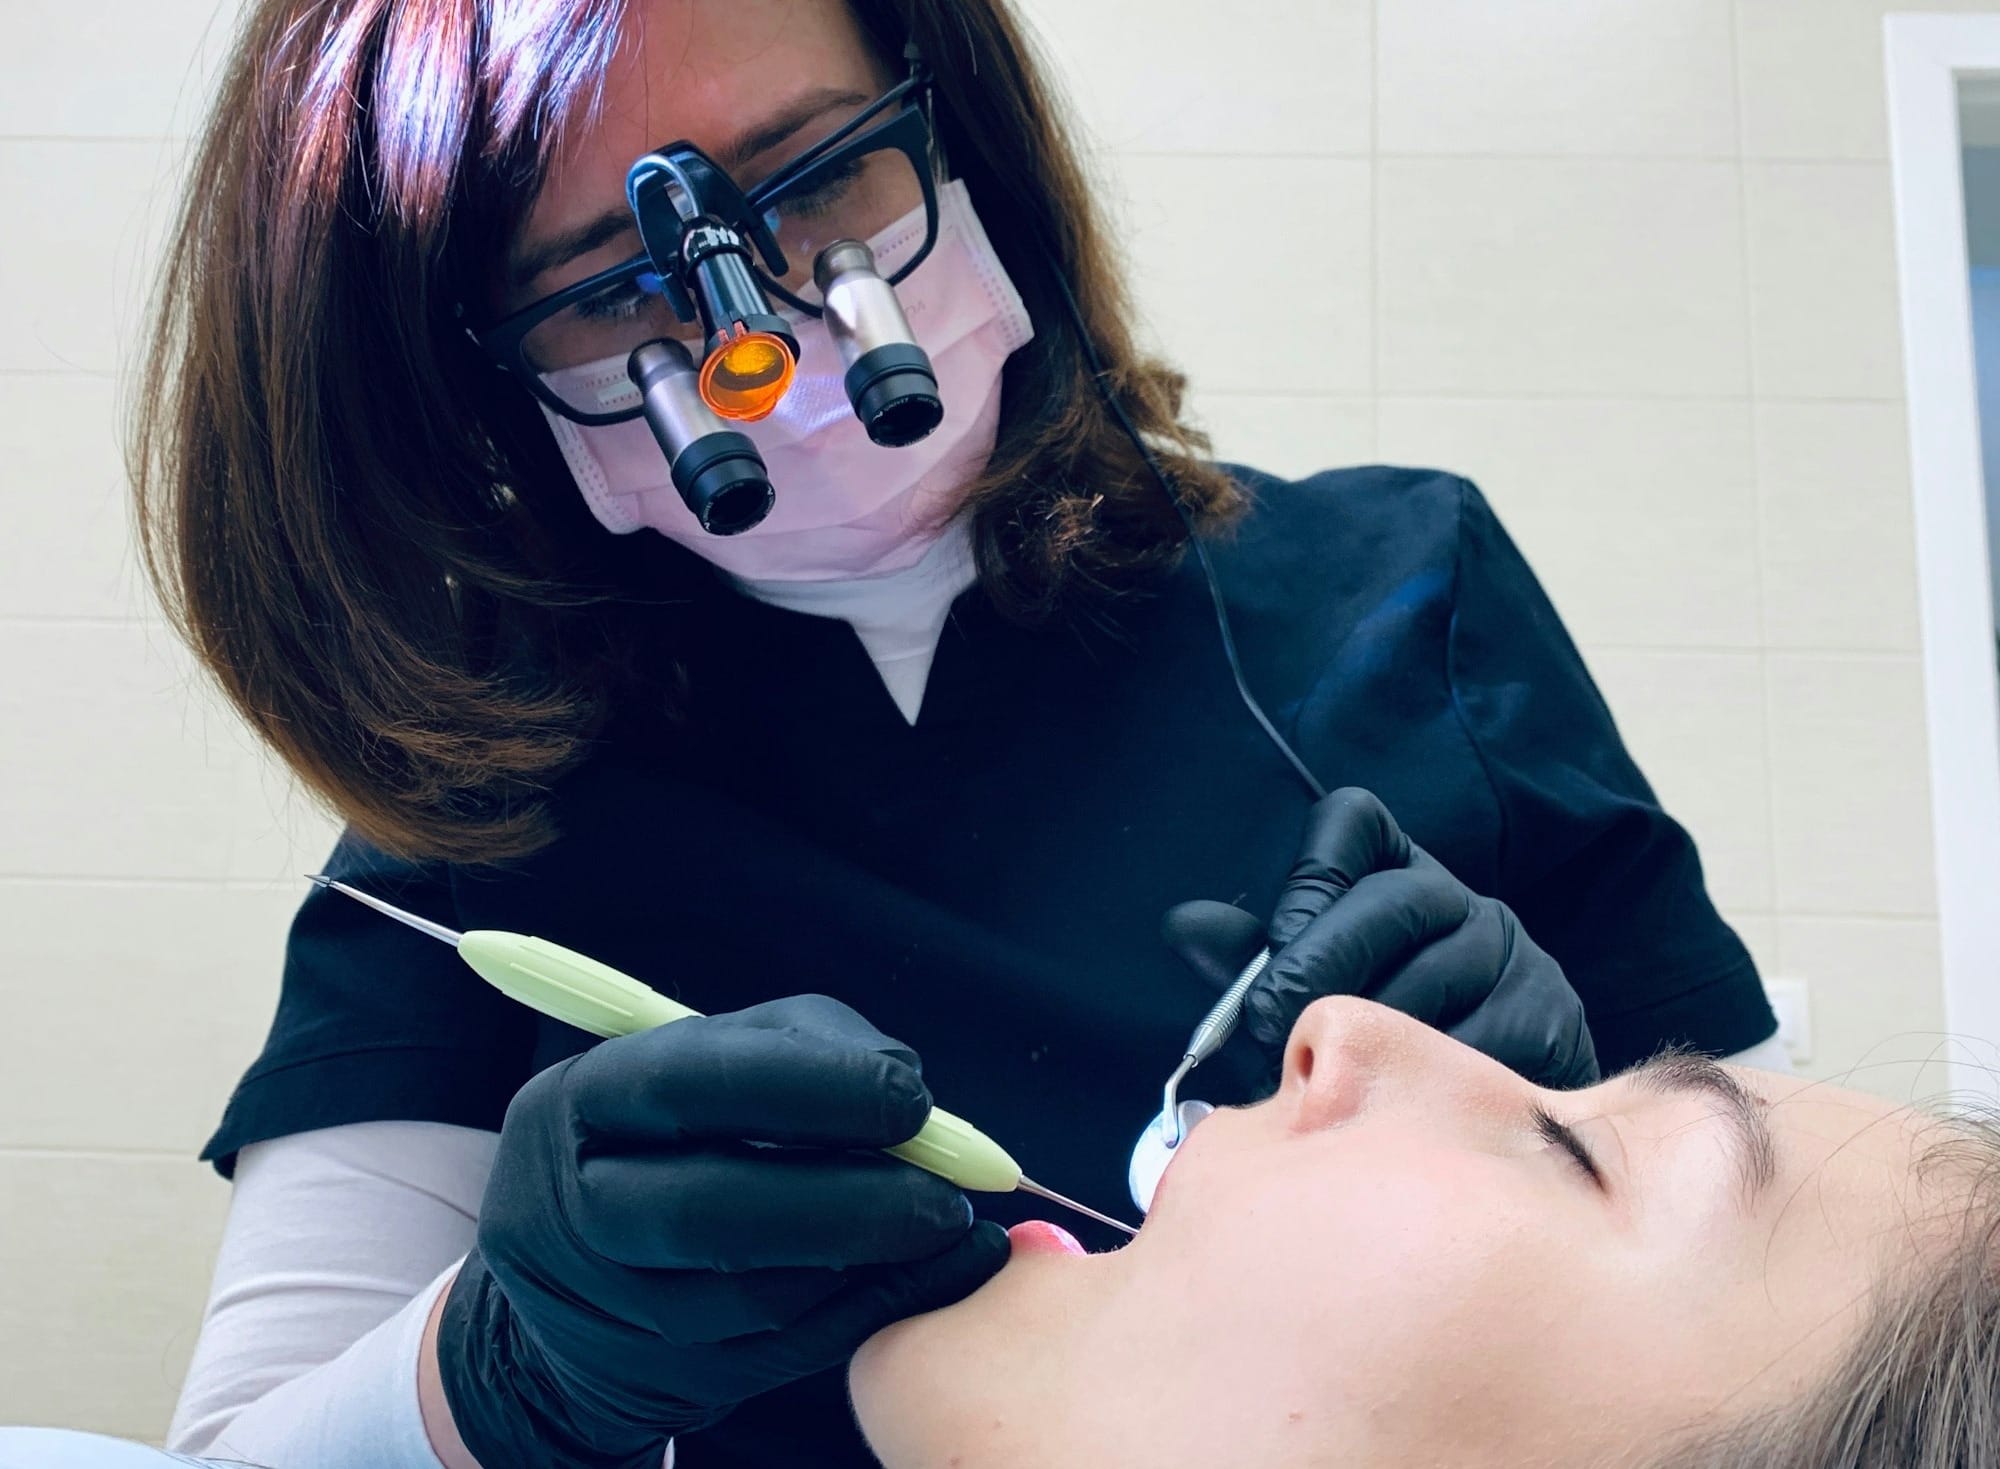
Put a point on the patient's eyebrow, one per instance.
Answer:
(1677, 1072)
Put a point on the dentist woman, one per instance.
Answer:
(514, 469)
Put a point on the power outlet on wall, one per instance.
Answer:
(1792, 1001)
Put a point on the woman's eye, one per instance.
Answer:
(611, 306)
(826, 193)
(1561, 1136)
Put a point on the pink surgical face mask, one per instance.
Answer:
(846, 506)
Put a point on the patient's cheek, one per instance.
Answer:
(1337, 1203)
(1365, 1262)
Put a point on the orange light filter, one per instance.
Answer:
(747, 378)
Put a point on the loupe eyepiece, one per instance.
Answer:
(720, 474)
(890, 380)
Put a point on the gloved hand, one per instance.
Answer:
(643, 1264)
(1368, 912)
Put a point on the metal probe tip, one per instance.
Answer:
(1028, 1185)
(422, 925)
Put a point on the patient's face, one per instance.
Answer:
(1393, 1263)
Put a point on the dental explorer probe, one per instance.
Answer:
(579, 991)
(1216, 1027)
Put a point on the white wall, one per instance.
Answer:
(1628, 265)
(148, 858)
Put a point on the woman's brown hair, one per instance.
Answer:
(364, 529)
(1920, 1386)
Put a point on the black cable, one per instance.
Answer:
(1102, 379)
(1312, 782)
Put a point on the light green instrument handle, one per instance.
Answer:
(566, 985)
(960, 1153)
(579, 991)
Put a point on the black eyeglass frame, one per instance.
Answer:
(909, 132)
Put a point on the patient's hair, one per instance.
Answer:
(1920, 1387)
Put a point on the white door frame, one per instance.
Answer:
(1927, 54)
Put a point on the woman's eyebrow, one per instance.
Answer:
(1675, 1072)
(565, 247)
(800, 113)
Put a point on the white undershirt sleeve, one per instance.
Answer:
(336, 1245)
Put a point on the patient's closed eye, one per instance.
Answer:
(1559, 1134)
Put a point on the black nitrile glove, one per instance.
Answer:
(643, 1266)
(1368, 912)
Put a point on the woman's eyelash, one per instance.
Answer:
(619, 305)
(1559, 1134)
(826, 192)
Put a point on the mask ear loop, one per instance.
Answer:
(1102, 379)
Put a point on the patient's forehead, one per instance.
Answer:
(1867, 1166)
(1818, 1118)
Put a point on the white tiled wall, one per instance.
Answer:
(1628, 265)
(148, 854)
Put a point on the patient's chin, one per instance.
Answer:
(911, 1380)
(877, 1358)
(894, 1391)
(1024, 1290)
(869, 1369)
(976, 1377)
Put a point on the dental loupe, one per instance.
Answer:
(698, 334)
(718, 257)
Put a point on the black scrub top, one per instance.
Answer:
(987, 885)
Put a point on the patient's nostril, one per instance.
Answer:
(1302, 1061)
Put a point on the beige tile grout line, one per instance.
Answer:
(1496, 158)
(1748, 650)
(92, 138)
(1756, 477)
(99, 1155)
(156, 880)
(1375, 455)
(1526, 395)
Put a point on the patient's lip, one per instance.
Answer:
(1039, 1237)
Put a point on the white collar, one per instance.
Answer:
(898, 616)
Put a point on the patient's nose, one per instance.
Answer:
(1347, 1056)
